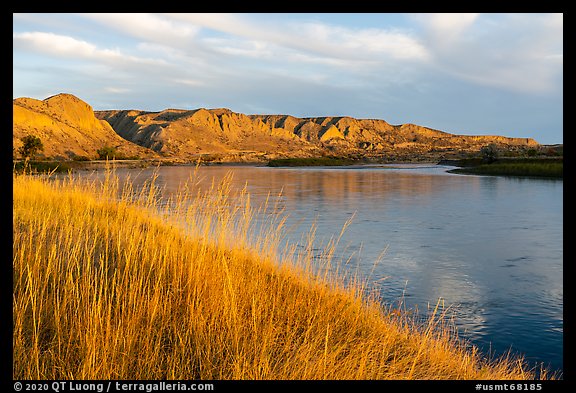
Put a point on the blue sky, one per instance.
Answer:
(461, 73)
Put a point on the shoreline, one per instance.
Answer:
(533, 167)
(146, 163)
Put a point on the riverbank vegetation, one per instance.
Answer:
(533, 167)
(529, 169)
(115, 283)
(312, 161)
(546, 161)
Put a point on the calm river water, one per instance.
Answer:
(490, 247)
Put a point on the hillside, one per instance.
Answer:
(208, 302)
(189, 134)
(68, 128)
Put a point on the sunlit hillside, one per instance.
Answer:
(115, 283)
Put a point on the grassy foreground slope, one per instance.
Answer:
(108, 288)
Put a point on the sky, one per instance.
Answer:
(472, 74)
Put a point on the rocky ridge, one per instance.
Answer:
(192, 133)
(70, 128)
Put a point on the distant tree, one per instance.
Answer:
(31, 145)
(489, 152)
(107, 153)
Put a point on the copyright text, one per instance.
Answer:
(110, 386)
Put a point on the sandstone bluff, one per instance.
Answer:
(68, 126)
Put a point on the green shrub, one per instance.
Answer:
(31, 145)
(107, 153)
(489, 153)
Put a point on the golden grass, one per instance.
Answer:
(109, 287)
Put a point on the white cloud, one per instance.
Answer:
(389, 43)
(240, 47)
(516, 52)
(69, 47)
(188, 82)
(58, 45)
(207, 44)
(351, 44)
(151, 27)
(447, 27)
(311, 38)
(117, 90)
(228, 23)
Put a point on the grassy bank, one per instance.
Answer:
(121, 288)
(41, 166)
(553, 168)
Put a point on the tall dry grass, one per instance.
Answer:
(109, 283)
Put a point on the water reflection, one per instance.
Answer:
(490, 247)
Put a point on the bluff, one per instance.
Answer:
(68, 129)
(189, 134)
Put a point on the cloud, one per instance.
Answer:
(444, 28)
(117, 90)
(314, 39)
(240, 47)
(59, 45)
(69, 47)
(206, 45)
(188, 82)
(515, 52)
(364, 44)
(388, 43)
(151, 27)
(506, 51)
